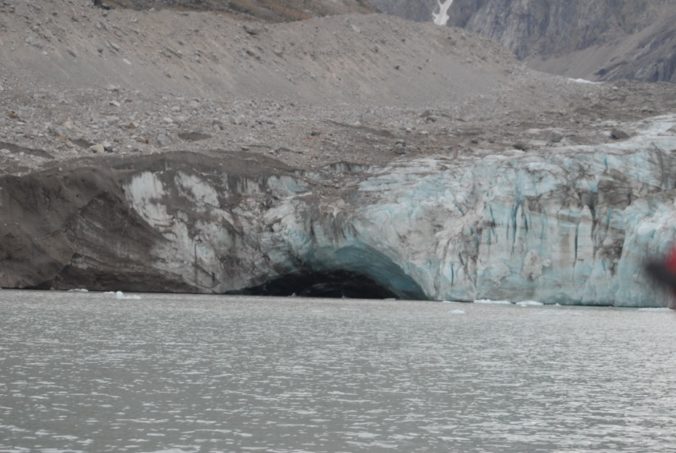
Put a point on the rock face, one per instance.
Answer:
(601, 39)
(570, 225)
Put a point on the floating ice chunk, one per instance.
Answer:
(119, 295)
(492, 302)
(78, 290)
(529, 303)
(657, 309)
(457, 311)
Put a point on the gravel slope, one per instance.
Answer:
(79, 81)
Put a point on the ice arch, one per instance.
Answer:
(354, 272)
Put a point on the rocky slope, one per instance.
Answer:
(185, 151)
(343, 59)
(267, 10)
(141, 82)
(604, 39)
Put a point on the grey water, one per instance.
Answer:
(170, 373)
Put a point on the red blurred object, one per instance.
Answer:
(670, 261)
(662, 271)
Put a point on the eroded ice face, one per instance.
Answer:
(571, 224)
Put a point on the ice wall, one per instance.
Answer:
(568, 225)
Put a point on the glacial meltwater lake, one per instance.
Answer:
(170, 373)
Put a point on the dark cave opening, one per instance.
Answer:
(325, 284)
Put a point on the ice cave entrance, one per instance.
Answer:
(350, 272)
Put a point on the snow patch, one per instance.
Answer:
(585, 81)
(441, 18)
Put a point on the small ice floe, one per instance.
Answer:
(78, 290)
(119, 295)
(529, 303)
(492, 302)
(657, 309)
(457, 311)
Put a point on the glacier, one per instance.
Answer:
(567, 225)
(558, 225)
